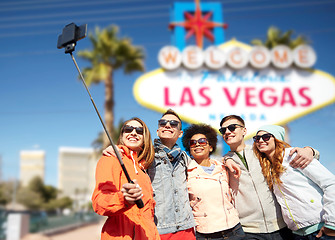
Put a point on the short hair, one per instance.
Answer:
(171, 112)
(238, 118)
(204, 129)
(147, 154)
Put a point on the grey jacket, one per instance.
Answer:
(172, 212)
(257, 206)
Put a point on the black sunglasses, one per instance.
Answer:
(231, 128)
(129, 129)
(266, 137)
(163, 122)
(201, 141)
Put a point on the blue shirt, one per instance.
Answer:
(209, 169)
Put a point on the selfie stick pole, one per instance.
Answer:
(139, 202)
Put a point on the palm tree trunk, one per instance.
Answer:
(109, 108)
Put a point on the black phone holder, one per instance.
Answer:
(70, 35)
(68, 40)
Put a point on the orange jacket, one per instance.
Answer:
(124, 221)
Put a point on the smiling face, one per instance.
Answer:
(268, 147)
(133, 140)
(168, 134)
(235, 139)
(200, 151)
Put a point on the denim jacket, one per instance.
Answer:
(172, 212)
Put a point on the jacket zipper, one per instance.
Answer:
(289, 210)
(260, 202)
(253, 183)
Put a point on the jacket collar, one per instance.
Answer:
(133, 156)
(129, 153)
(194, 165)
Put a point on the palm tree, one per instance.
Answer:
(110, 53)
(276, 37)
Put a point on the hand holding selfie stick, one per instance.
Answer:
(68, 39)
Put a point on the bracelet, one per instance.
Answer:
(312, 150)
(226, 159)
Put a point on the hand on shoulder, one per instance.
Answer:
(232, 166)
(109, 151)
(304, 156)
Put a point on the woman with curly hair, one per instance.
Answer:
(306, 196)
(208, 187)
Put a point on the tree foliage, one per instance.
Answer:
(61, 203)
(30, 199)
(276, 37)
(6, 192)
(37, 196)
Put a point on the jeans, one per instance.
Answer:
(312, 236)
(235, 233)
(282, 234)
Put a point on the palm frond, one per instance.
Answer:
(275, 37)
(257, 42)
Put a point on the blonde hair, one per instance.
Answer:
(272, 169)
(147, 154)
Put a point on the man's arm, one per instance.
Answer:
(304, 156)
(232, 166)
(109, 151)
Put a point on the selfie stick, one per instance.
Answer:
(69, 48)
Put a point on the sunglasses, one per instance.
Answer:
(201, 141)
(129, 129)
(266, 137)
(231, 128)
(163, 122)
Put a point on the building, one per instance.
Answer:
(76, 171)
(32, 164)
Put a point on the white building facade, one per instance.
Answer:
(32, 164)
(76, 172)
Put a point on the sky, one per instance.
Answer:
(43, 105)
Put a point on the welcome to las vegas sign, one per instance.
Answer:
(262, 86)
(261, 96)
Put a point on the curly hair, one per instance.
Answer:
(148, 152)
(272, 169)
(204, 129)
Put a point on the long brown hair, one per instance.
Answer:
(272, 169)
(147, 154)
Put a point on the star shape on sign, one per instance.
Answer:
(198, 25)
